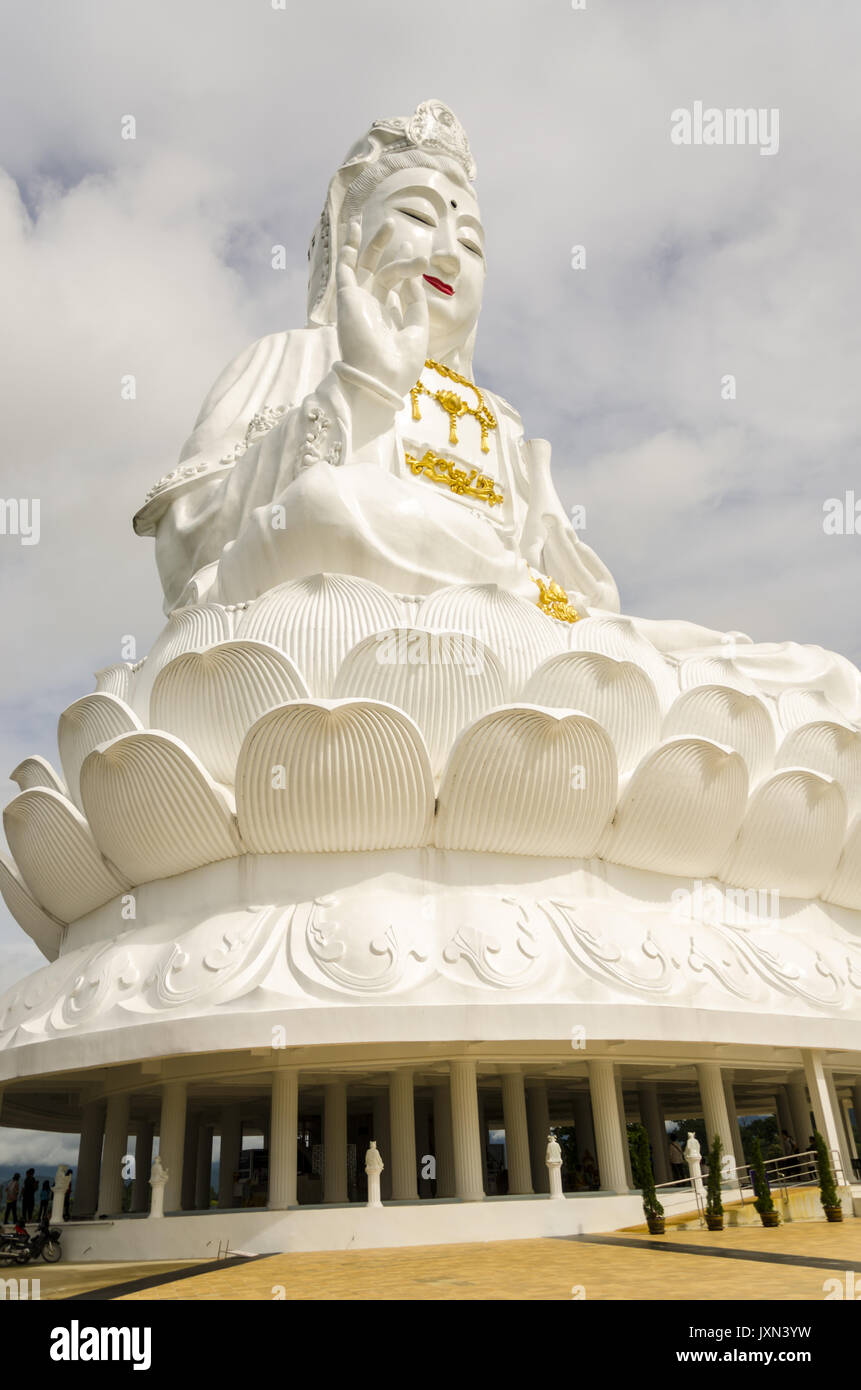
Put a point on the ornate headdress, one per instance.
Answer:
(434, 131)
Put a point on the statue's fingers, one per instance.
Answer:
(395, 272)
(345, 272)
(369, 259)
(414, 305)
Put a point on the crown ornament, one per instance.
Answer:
(433, 127)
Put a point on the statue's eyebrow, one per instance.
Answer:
(423, 190)
(466, 219)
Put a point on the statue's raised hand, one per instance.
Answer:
(382, 309)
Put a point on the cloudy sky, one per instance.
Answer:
(152, 256)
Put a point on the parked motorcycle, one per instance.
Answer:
(19, 1247)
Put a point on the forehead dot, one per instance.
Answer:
(453, 203)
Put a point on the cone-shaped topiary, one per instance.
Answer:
(714, 1205)
(828, 1194)
(641, 1162)
(764, 1200)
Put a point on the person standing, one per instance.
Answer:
(28, 1195)
(44, 1199)
(12, 1199)
(677, 1160)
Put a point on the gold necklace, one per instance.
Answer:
(453, 405)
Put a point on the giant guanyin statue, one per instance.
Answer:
(362, 444)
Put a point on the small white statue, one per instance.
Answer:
(157, 1180)
(553, 1159)
(373, 1167)
(693, 1156)
(62, 1182)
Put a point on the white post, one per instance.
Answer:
(650, 1113)
(403, 1136)
(693, 1157)
(516, 1134)
(714, 1111)
(609, 1139)
(144, 1131)
(85, 1184)
(732, 1113)
(800, 1110)
(335, 1142)
(443, 1140)
(171, 1140)
(116, 1140)
(231, 1147)
(842, 1138)
(538, 1110)
(283, 1139)
(823, 1113)
(465, 1132)
(553, 1160)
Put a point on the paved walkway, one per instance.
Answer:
(613, 1267)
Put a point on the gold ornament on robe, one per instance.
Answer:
(454, 405)
(553, 601)
(444, 471)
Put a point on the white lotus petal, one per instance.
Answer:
(791, 836)
(845, 887)
(729, 717)
(57, 855)
(525, 780)
(442, 680)
(211, 699)
(617, 636)
(517, 631)
(154, 809)
(334, 775)
(714, 670)
(36, 771)
(92, 720)
(680, 810)
(796, 707)
(117, 680)
(832, 749)
(317, 620)
(40, 926)
(618, 694)
(190, 629)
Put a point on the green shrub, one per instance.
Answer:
(764, 1200)
(828, 1194)
(714, 1205)
(641, 1163)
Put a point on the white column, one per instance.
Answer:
(230, 1149)
(116, 1147)
(171, 1140)
(650, 1114)
(189, 1161)
(516, 1133)
(837, 1110)
(732, 1114)
(85, 1185)
(143, 1165)
(443, 1141)
(482, 1130)
(402, 1118)
(465, 1132)
(856, 1105)
(715, 1114)
(609, 1140)
(383, 1135)
(583, 1127)
(800, 1110)
(203, 1169)
(626, 1147)
(283, 1139)
(820, 1101)
(335, 1142)
(845, 1105)
(538, 1110)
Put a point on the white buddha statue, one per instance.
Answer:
(362, 445)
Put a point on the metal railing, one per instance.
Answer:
(783, 1172)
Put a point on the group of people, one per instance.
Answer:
(26, 1193)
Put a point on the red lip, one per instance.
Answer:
(438, 284)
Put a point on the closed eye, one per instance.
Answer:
(471, 246)
(417, 217)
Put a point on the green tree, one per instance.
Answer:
(714, 1205)
(828, 1194)
(641, 1165)
(764, 1200)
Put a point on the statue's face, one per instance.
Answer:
(440, 219)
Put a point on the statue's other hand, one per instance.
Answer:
(382, 309)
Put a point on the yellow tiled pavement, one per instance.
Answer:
(65, 1280)
(538, 1269)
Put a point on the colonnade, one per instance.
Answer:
(450, 1126)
